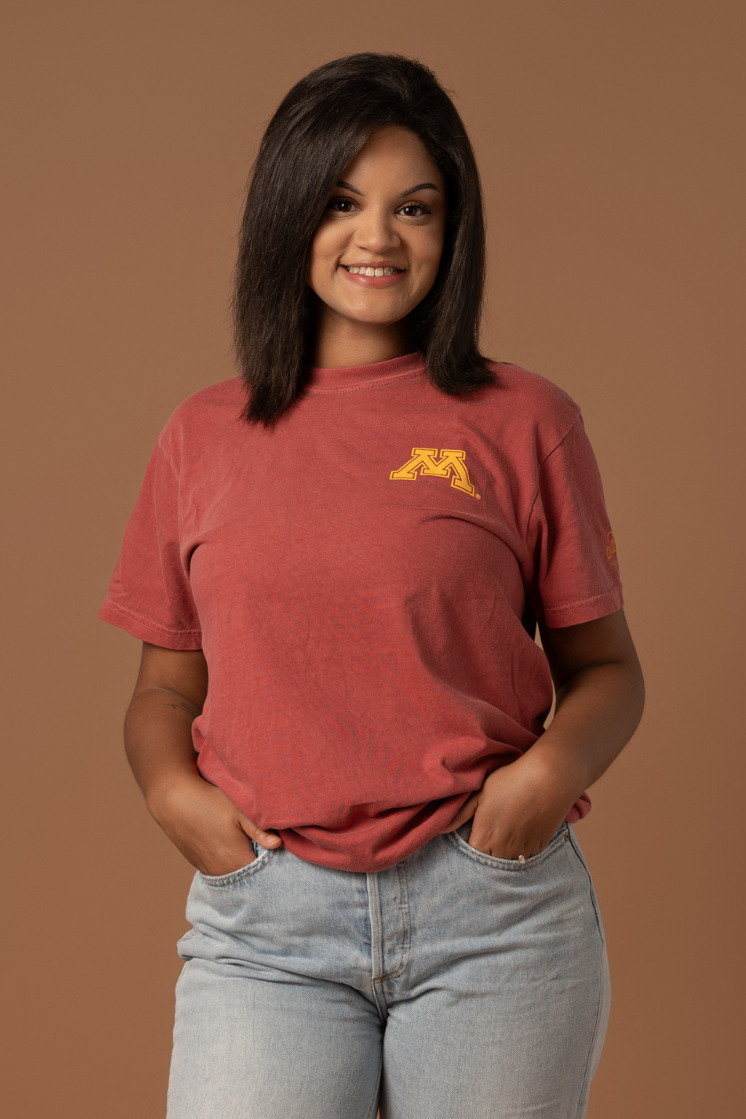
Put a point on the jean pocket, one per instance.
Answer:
(459, 839)
(236, 877)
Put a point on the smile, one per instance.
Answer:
(362, 270)
(374, 275)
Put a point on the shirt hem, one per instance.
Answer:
(586, 610)
(147, 630)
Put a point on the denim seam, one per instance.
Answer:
(404, 952)
(373, 1111)
(376, 942)
(584, 1085)
(591, 891)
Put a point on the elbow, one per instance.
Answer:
(637, 690)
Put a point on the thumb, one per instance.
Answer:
(263, 838)
(465, 812)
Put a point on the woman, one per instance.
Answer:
(355, 542)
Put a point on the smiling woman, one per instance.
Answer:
(337, 564)
(315, 168)
(377, 250)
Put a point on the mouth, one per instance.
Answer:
(373, 275)
(372, 269)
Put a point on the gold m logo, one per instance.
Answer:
(425, 460)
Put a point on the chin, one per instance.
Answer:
(374, 316)
(374, 320)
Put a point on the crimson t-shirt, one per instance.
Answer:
(363, 579)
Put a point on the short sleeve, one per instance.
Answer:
(573, 574)
(149, 593)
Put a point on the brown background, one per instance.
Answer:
(609, 137)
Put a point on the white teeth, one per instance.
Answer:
(367, 271)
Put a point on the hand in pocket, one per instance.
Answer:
(207, 827)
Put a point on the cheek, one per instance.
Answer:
(326, 247)
(315, 263)
(429, 252)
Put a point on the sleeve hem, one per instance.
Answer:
(147, 630)
(587, 610)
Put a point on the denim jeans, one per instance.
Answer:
(453, 985)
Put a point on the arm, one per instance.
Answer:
(600, 695)
(197, 817)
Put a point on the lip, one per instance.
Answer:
(373, 281)
(371, 264)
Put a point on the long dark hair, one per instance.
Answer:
(320, 125)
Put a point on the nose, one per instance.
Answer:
(375, 232)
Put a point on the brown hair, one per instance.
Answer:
(320, 125)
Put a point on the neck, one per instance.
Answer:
(341, 343)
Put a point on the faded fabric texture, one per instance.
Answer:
(363, 580)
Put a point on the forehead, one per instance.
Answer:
(394, 153)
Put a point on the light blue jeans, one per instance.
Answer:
(454, 985)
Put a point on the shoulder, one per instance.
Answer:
(538, 397)
(202, 418)
(529, 406)
(216, 402)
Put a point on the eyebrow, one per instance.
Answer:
(404, 193)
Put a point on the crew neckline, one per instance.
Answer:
(346, 377)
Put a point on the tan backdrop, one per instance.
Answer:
(611, 149)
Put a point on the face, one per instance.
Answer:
(376, 253)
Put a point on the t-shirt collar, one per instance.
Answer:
(326, 379)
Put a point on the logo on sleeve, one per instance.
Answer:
(611, 549)
(447, 464)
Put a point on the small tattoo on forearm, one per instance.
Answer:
(193, 711)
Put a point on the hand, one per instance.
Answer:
(207, 827)
(517, 810)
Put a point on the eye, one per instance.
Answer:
(341, 204)
(415, 210)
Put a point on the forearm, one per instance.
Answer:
(197, 816)
(600, 696)
(158, 741)
(597, 712)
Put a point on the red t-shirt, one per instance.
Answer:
(361, 579)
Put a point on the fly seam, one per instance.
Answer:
(406, 940)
